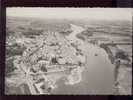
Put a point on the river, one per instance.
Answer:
(98, 76)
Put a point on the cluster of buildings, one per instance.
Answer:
(48, 60)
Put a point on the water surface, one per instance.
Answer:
(97, 78)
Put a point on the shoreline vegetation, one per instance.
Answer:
(117, 47)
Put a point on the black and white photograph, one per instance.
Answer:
(68, 51)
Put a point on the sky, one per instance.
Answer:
(72, 13)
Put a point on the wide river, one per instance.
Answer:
(97, 78)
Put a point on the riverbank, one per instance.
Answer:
(97, 76)
(120, 55)
(123, 68)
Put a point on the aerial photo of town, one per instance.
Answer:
(68, 51)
